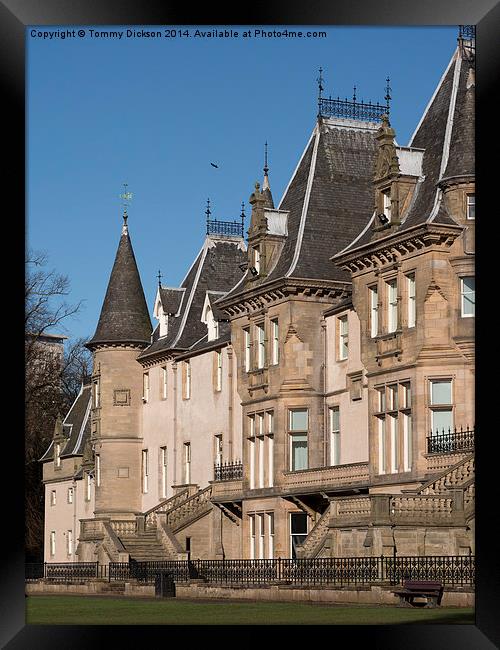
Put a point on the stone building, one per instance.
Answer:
(308, 392)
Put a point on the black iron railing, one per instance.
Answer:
(443, 442)
(467, 32)
(228, 471)
(452, 571)
(353, 110)
(232, 228)
(65, 571)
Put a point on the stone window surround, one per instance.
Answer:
(382, 410)
(430, 408)
(266, 439)
(342, 318)
(291, 433)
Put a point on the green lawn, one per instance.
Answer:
(86, 610)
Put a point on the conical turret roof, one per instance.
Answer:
(124, 315)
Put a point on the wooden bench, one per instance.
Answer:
(431, 590)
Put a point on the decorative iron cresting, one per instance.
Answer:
(467, 32)
(229, 228)
(442, 442)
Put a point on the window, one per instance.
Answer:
(251, 519)
(392, 305)
(387, 203)
(261, 346)
(53, 497)
(468, 296)
(186, 369)
(298, 531)
(218, 449)
(275, 342)
(52, 543)
(381, 446)
(334, 435)
(57, 455)
(373, 311)
(145, 470)
(187, 462)
(69, 542)
(246, 337)
(164, 382)
(163, 472)
(343, 337)
(410, 282)
(218, 370)
(70, 494)
(394, 424)
(270, 448)
(212, 324)
(261, 522)
(251, 449)
(256, 258)
(96, 393)
(441, 405)
(270, 535)
(471, 206)
(298, 427)
(145, 387)
(97, 470)
(88, 480)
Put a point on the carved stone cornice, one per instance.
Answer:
(391, 249)
(261, 297)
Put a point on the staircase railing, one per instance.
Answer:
(313, 540)
(190, 509)
(165, 506)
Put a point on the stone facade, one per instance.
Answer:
(292, 399)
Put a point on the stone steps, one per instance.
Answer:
(144, 547)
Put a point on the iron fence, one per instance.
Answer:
(450, 570)
(228, 471)
(442, 442)
(65, 571)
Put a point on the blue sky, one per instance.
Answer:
(156, 112)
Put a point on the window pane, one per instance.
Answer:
(334, 415)
(442, 420)
(298, 523)
(299, 452)
(441, 392)
(299, 420)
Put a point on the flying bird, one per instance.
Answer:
(214, 165)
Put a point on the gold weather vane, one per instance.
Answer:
(126, 196)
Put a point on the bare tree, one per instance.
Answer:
(52, 380)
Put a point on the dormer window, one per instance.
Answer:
(386, 196)
(256, 258)
(212, 324)
(163, 324)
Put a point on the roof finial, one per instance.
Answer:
(319, 81)
(266, 168)
(388, 97)
(159, 278)
(208, 213)
(127, 197)
(354, 94)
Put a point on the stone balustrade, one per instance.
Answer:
(421, 507)
(327, 476)
(189, 509)
(456, 477)
(150, 516)
(124, 527)
(352, 507)
(441, 462)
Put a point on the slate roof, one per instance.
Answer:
(76, 426)
(329, 200)
(216, 269)
(124, 315)
(446, 133)
(171, 299)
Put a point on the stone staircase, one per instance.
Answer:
(153, 537)
(145, 546)
(459, 475)
(314, 541)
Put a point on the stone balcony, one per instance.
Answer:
(225, 491)
(326, 478)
